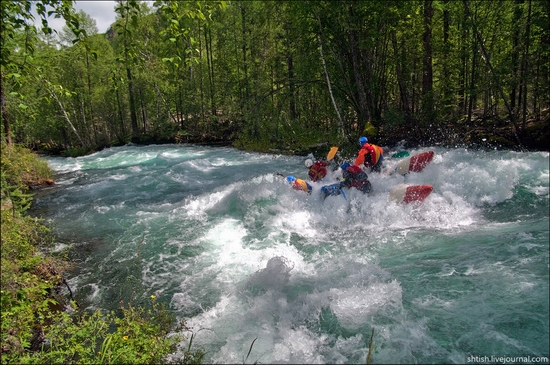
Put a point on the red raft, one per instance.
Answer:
(414, 163)
(410, 193)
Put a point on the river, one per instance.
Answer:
(229, 247)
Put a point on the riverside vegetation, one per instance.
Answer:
(278, 75)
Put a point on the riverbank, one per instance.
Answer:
(485, 133)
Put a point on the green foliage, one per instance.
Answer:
(19, 169)
(370, 130)
(22, 167)
(19, 201)
(137, 336)
(394, 118)
(27, 279)
(76, 151)
(193, 66)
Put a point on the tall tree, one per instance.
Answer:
(16, 16)
(493, 72)
(128, 11)
(427, 67)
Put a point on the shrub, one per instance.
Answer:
(138, 336)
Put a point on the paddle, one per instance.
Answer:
(343, 194)
(400, 154)
(332, 153)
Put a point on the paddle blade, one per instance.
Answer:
(332, 153)
(400, 154)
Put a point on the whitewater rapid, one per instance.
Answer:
(215, 234)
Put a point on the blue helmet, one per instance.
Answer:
(290, 179)
(363, 140)
(344, 166)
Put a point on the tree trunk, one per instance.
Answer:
(363, 112)
(401, 83)
(525, 67)
(514, 98)
(90, 93)
(292, 101)
(494, 74)
(159, 95)
(132, 98)
(200, 77)
(143, 114)
(340, 122)
(120, 117)
(244, 51)
(446, 93)
(427, 74)
(5, 119)
(65, 115)
(472, 95)
(463, 76)
(209, 57)
(133, 114)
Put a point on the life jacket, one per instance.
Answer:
(375, 153)
(300, 184)
(355, 177)
(317, 171)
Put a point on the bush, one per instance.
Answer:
(139, 336)
(22, 168)
(27, 281)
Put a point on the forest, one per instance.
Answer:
(278, 75)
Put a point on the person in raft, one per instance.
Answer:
(298, 184)
(317, 170)
(369, 155)
(355, 177)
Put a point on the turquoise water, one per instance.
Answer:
(214, 234)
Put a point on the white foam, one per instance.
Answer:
(355, 307)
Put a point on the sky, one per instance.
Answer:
(102, 11)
